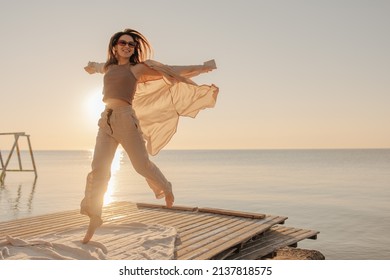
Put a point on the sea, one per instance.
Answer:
(342, 193)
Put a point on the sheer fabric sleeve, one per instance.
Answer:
(168, 73)
(159, 104)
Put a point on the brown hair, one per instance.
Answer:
(142, 51)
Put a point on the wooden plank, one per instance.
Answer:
(220, 240)
(266, 239)
(20, 170)
(206, 223)
(32, 225)
(276, 238)
(27, 230)
(32, 219)
(151, 216)
(175, 207)
(190, 223)
(208, 231)
(179, 222)
(108, 211)
(232, 213)
(237, 237)
(164, 217)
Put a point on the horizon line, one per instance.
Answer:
(216, 149)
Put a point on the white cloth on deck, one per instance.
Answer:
(134, 241)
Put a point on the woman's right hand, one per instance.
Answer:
(90, 68)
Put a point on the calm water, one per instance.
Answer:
(344, 194)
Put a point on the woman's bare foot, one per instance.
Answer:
(94, 223)
(169, 199)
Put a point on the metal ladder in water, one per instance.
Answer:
(4, 165)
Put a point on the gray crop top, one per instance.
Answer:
(119, 83)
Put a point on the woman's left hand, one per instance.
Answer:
(209, 65)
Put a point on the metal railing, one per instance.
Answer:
(15, 146)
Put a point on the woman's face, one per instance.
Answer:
(125, 47)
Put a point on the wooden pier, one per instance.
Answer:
(204, 233)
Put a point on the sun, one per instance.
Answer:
(94, 104)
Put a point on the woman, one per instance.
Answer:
(134, 84)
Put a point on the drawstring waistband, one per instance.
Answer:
(109, 113)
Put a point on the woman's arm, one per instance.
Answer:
(94, 67)
(152, 70)
(144, 73)
(194, 70)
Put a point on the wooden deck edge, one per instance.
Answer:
(232, 213)
(259, 248)
(158, 206)
(226, 212)
(238, 242)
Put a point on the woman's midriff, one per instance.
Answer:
(115, 103)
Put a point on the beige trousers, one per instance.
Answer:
(119, 126)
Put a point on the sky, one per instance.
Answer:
(292, 74)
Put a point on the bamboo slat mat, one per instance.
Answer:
(204, 233)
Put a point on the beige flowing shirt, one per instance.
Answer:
(158, 104)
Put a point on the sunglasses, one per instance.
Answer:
(123, 43)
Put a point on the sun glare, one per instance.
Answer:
(94, 104)
(115, 167)
(94, 107)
